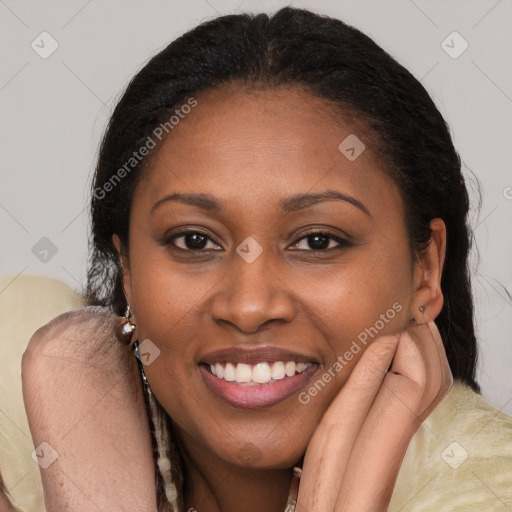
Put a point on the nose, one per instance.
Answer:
(253, 295)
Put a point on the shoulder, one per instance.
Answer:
(460, 458)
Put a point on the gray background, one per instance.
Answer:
(54, 110)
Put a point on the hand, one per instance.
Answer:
(354, 456)
(83, 396)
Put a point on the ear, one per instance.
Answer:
(427, 300)
(122, 258)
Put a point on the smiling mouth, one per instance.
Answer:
(257, 374)
(258, 385)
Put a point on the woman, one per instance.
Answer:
(279, 213)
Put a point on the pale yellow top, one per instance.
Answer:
(26, 303)
(459, 460)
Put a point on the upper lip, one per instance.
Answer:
(251, 355)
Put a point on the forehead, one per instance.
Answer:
(250, 146)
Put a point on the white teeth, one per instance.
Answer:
(219, 370)
(229, 373)
(243, 373)
(260, 373)
(300, 367)
(278, 370)
(289, 369)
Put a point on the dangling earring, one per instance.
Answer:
(127, 327)
(162, 438)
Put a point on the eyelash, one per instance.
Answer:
(343, 243)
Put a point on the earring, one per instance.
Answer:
(162, 438)
(127, 327)
(421, 309)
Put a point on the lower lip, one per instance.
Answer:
(256, 396)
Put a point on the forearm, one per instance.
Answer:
(83, 397)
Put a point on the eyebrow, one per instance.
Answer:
(301, 201)
(291, 204)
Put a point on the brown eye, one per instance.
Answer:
(192, 241)
(317, 242)
(320, 241)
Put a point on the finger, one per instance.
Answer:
(419, 378)
(330, 446)
(420, 369)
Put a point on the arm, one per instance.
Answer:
(83, 397)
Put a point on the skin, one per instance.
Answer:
(5, 505)
(83, 397)
(251, 150)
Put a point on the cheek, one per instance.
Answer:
(164, 305)
(355, 303)
(167, 297)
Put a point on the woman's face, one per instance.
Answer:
(301, 257)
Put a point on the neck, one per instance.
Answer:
(217, 486)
